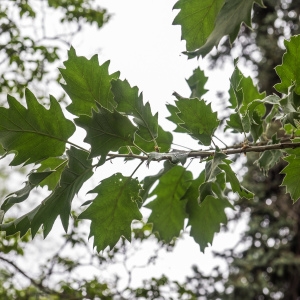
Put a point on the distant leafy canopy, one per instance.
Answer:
(120, 125)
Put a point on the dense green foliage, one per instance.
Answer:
(119, 125)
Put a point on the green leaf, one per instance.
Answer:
(130, 102)
(21, 195)
(58, 203)
(168, 208)
(163, 141)
(175, 119)
(268, 159)
(113, 210)
(196, 83)
(235, 123)
(106, 131)
(205, 219)
(212, 166)
(148, 181)
(35, 133)
(197, 19)
(235, 93)
(292, 175)
(289, 72)
(56, 165)
(233, 180)
(198, 118)
(87, 83)
(228, 22)
(250, 94)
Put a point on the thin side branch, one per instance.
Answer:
(205, 154)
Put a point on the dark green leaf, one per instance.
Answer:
(150, 180)
(292, 175)
(113, 210)
(168, 208)
(106, 131)
(198, 118)
(163, 140)
(175, 119)
(34, 133)
(235, 123)
(196, 83)
(228, 22)
(130, 102)
(55, 164)
(289, 71)
(233, 180)
(268, 159)
(87, 84)
(175, 157)
(205, 219)
(197, 19)
(58, 203)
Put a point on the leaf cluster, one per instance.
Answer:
(118, 123)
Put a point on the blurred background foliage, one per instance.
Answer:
(265, 264)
